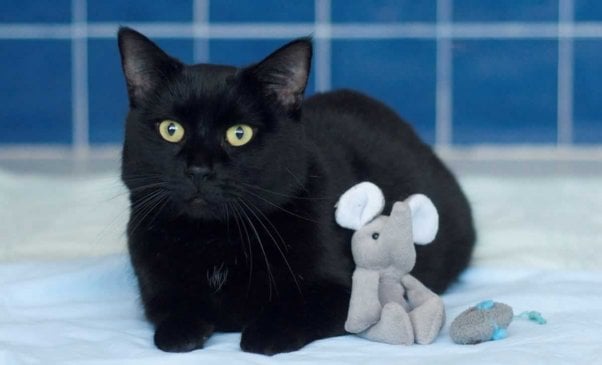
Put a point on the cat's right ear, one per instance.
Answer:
(145, 66)
(283, 74)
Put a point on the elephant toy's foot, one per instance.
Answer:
(394, 327)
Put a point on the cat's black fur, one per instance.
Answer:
(258, 250)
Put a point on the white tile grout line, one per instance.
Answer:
(565, 73)
(322, 56)
(79, 78)
(444, 77)
(200, 31)
(420, 30)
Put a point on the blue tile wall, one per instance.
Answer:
(504, 91)
(587, 94)
(18, 11)
(588, 10)
(261, 11)
(385, 11)
(392, 71)
(35, 93)
(140, 10)
(242, 52)
(107, 92)
(504, 86)
(502, 11)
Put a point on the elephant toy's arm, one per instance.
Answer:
(416, 292)
(364, 306)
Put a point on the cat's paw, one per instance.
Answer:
(182, 335)
(263, 338)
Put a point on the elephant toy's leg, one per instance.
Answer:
(428, 312)
(394, 326)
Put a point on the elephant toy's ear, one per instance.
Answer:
(359, 205)
(425, 219)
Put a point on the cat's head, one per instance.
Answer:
(202, 138)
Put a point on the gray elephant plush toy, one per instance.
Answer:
(387, 303)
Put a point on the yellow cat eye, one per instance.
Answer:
(239, 134)
(171, 131)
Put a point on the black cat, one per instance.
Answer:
(233, 180)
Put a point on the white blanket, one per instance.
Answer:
(67, 295)
(86, 311)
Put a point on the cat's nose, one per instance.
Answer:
(198, 173)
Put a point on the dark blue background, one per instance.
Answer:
(504, 90)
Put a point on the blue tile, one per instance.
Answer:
(400, 73)
(35, 84)
(587, 113)
(140, 10)
(384, 11)
(261, 11)
(504, 91)
(243, 52)
(496, 10)
(588, 10)
(37, 11)
(107, 92)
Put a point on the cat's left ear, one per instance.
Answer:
(283, 74)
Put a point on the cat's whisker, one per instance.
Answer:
(160, 208)
(144, 207)
(148, 186)
(152, 207)
(144, 199)
(238, 222)
(141, 179)
(265, 256)
(140, 210)
(159, 195)
(139, 206)
(252, 209)
(249, 258)
(296, 179)
(139, 189)
(284, 195)
(268, 221)
(159, 204)
(235, 218)
(115, 219)
(225, 209)
(102, 234)
(279, 207)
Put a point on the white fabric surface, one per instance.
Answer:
(64, 301)
(86, 311)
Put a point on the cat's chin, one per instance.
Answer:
(199, 208)
(201, 214)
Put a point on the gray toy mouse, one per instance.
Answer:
(387, 303)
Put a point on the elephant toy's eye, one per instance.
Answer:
(375, 235)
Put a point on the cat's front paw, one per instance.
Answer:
(181, 335)
(262, 337)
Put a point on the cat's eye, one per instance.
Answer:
(239, 134)
(171, 131)
(375, 235)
